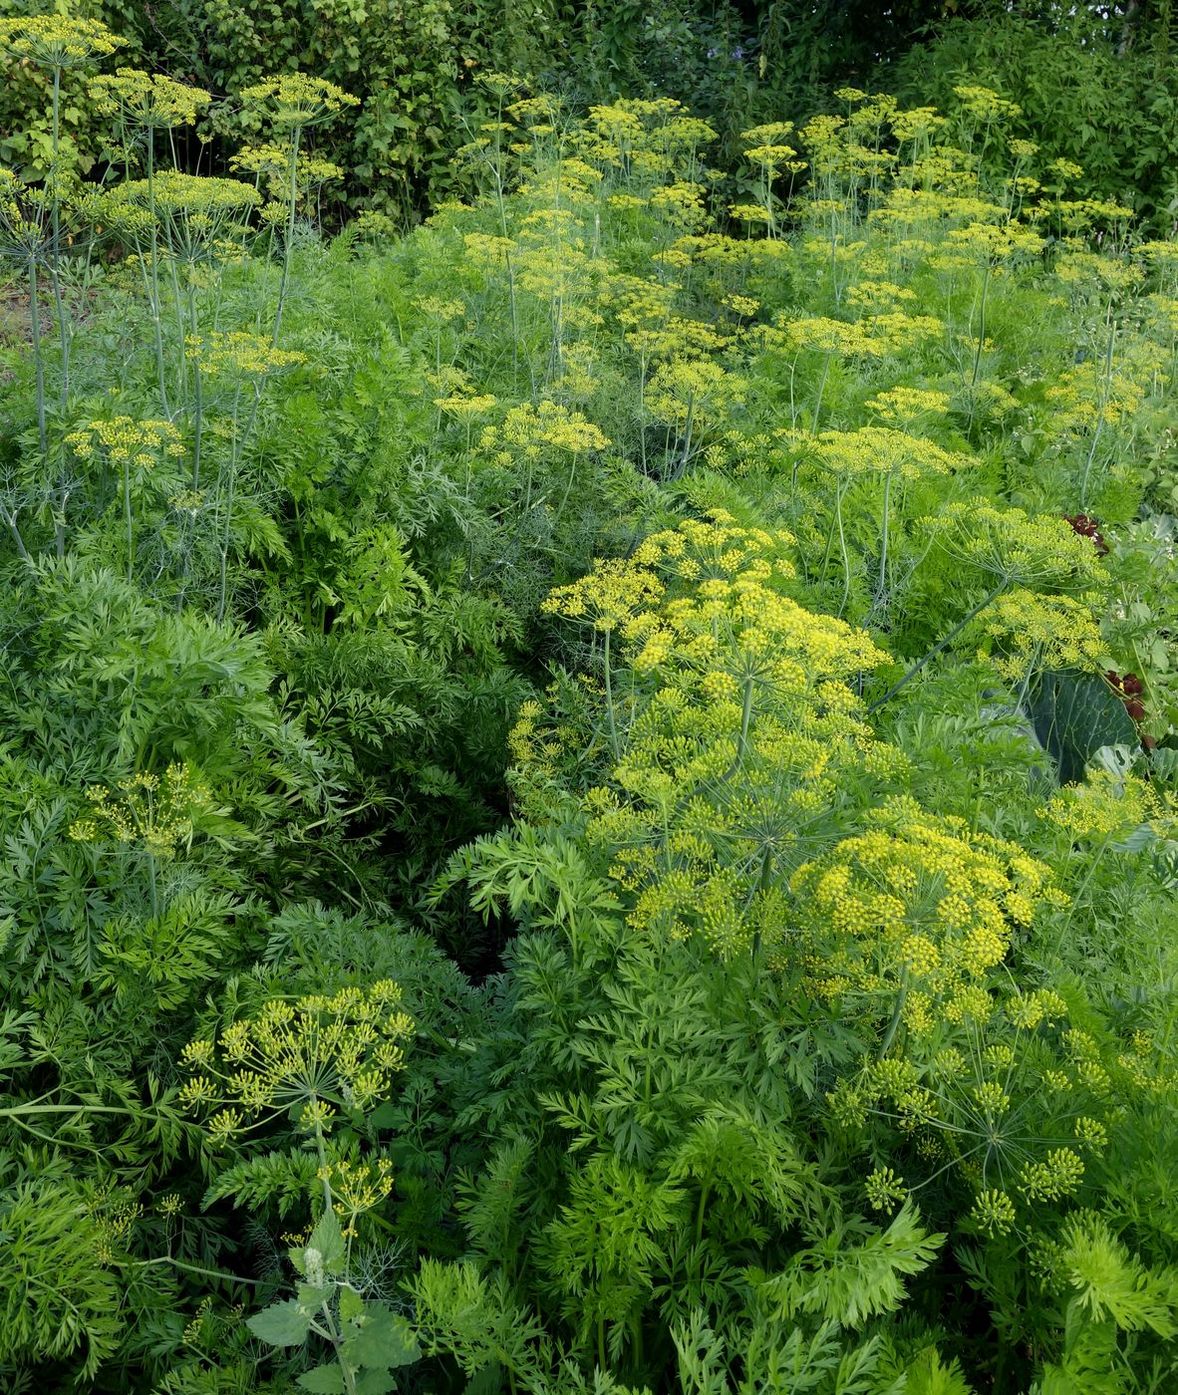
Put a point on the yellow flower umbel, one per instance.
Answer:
(1023, 631)
(545, 442)
(153, 812)
(53, 41)
(150, 100)
(1106, 806)
(1041, 551)
(123, 439)
(907, 406)
(733, 726)
(766, 148)
(239, 354)
(133, 449)
(172, 195)
(998, 1091)
(271, 166)
(904, 918)
(356, 1186)
(295, 100)
(310, 1058)
(882, 452)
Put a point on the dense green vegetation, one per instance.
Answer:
(589, 789)
(1095, 85)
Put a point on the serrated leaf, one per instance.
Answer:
(375, 1383)
(282, 1324)
(324, 1380)
(386, 1116)
(328, 1239)
(385, 1339)
(351, 1305)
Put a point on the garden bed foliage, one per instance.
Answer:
(589, 797)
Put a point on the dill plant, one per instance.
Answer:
(778, 993)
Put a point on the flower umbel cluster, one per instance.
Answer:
(124, 440)
(57, 42)
(237, 353)
(155, 812)
(739, 726)
(295, 100)
(312, 1058)
(914, 912)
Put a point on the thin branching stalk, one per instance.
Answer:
(940, 646)
(288, 245)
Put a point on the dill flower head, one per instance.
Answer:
(884, 1189)
(54, 41)
(172, 191)
(356, 1185)
(237, 353)
(1058, 1175)
(126, 441)
(1032, 550)
(771, 133)
(272, 164)
(151, 100)
(907, 405)
(1023, 630)
(916, 123)
(1085, 395)
(528, 430)
(739, 722)
(155, 813)
(915, 902)
(466, 408)
(829, 336)
(881, 450)
(295, 100)
(311, 1057)
(984, 102)
(438, 310)
(1106, 805)
(993, 1213)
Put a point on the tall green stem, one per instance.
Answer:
(939, 646)
(838, 514)
(127, 518)
(197, 422)
(977, 353)
(746, 717)
(821, 391)
(609, 700)
(897, 1016)
(1104, 396)
(288, 247)
(154, 275)
(700, 1213)
(55, 246)
(883, 539)
(38, 353)
(8, 516)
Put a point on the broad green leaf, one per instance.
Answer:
(1075, 714)
(283, 1324)
(384, 1339)
(351, 1305)
(374, 1382)
(328, 1239)
(324, 1380)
